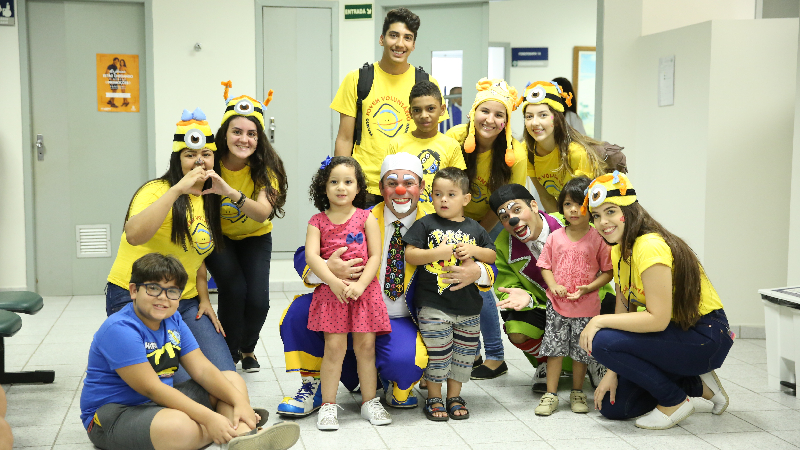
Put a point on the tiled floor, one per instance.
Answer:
(46, 416)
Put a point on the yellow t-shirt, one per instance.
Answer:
(545, 168)
(385, 115)
(479, 205)
(434, 153)
(200, 246)
(650, 249)
(235, 224)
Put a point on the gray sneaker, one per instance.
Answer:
(540, 379)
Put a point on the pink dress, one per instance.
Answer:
(368, 313)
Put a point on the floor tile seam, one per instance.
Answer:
(45, 336)
(734, 413)
(790, 443)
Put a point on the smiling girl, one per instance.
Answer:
(546, 135)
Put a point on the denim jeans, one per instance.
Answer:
(490, 318)
(211, 343)
(660, 368)
(241, 271)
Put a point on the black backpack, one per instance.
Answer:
(366, 75)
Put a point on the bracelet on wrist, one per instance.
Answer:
(239, 203)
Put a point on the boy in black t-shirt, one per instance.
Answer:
(449, 321)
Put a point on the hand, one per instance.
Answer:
(461, 276)
(587, 335)
(464, 251)
(187, 183)
(205, 308)
(244, 413)
(607, 384)
(339, 288)
(354, 290)
(219, 428)
(580, 291)
(220, 187)
(443, 252)
(516, 300)
(559, 290)
(344, 270)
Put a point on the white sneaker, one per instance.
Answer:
(327, 419)
(547, 405)
(307, 400)
(540, 379)
(656, 420)
(373, 411)
(720, 398)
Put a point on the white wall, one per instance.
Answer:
(793, 269)
(660, 15)
(12, 223)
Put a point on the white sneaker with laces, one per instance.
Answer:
(540, 379)
(327, 418)
(656, 420)
(373, 411)
(720, 398)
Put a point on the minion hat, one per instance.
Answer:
(244, 105)
(499, 91)
(508, 192)
(193, 132)
(546, 92)
(609, 188)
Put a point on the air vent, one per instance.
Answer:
(93, 241)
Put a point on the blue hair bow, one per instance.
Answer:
(616, 176)
(357, 238)
(325, 163)
(197, 114)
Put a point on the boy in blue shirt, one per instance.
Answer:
(128, 399)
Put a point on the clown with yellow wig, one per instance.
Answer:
(176, 215)
(669, 332)
(250, 177)
(556, 151)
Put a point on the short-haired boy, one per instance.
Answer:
(128, 399)
(434, 149)
(449, 321)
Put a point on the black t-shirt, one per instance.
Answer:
(430, 232)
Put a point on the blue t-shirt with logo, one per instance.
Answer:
(124, 340)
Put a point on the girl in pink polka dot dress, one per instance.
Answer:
(346, 306)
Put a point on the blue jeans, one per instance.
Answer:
(211, 343)
(241, 271)
(490, 318)
(660, 368)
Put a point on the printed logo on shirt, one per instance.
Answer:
(165, 360)
(633, 294)
(552, 188)
(438, 237)
(201, 237)
(431, 163)
(478, 190)
(230, 212)
(387, 115)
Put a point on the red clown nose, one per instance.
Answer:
(400, 190)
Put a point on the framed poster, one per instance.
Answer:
(117, 83)
(583, 76)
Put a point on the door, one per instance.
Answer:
(297, 65)
(448, 31)
(92, 161)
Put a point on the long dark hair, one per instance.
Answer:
(564, 135)
(180, 225)
(499, 172)
(686, 270)
(264, 163)
(566, 86)
(317, 192)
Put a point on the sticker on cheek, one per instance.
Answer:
(622, 219)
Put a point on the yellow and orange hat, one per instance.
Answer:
(499, 91)
(244, 105)
(609, 188)
(193, 132)
(547, 92)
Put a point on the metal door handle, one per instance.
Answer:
(40, 147)
(271, 130)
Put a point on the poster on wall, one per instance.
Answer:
(117, 82)
(583, 79)
(7, 13)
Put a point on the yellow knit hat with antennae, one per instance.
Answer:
(499, 91)
(244, 105)
(546, 92)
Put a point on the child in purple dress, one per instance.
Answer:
(347, 306)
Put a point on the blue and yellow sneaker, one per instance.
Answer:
(390, 389)
(307, 400)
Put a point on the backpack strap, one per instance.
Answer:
(420, 74)
(366, 74)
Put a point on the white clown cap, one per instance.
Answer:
(401, 161)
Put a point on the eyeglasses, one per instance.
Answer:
(154, 290)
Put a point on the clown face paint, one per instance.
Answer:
(609, 221)
(400, 190)
(520, 220)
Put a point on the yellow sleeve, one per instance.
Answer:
(458, 132)
(649, 250)
(519, 171)
(345, 100)
(147, 195)
(579, 160)
(458, 157)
